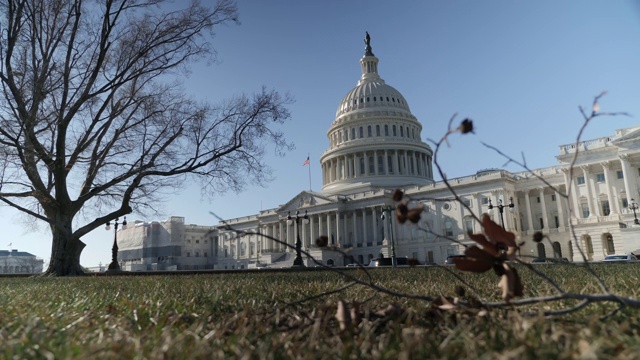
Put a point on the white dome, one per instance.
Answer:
(374, 141)
(372, 93)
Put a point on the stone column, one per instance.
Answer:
(543, 205)
(364, 227)
(415, 163)
(527, 201)
(561, 220)
(593, 210)
(374, 225)
(406, 163)
(338, 237)
(281, 234)
(626, 173)
(613, 205)
(329, 228)
(312, 225)
(355, 239)
(396, 163)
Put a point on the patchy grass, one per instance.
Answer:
(265, 315)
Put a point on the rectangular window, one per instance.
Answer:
(467, 202)
(197, 241)
(468, 225)
(541, 223)
(197, 253)
(485, 200)
(619, 174)
(600, 177)
(372, 169)
(390, 163)
(553, 197)
(362, 166)
(580, 180)
(205, 254)
(380, 164)
(606, 210)
(625, 203)
(585, 210)
(557, 221)
(188, 254)
(538, 199)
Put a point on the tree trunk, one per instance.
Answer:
(65, 253)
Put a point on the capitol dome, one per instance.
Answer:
(374, 141)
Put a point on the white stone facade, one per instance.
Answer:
(166, 245)
(19, 262)
(374, 148)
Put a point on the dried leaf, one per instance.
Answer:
(510, 283)
(343, 316)
(390, 310)
(487, 246)
(401, 212)
(443, 303)
(471, 264)
(398, 195)
(415, 214)
(496, 233)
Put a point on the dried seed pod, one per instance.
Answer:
(322, 241)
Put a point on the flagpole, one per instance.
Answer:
(309, 172)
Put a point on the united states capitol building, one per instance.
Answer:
(374, 147)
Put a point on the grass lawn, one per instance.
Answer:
(278, 315)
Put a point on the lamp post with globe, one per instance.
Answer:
(501, 208)
(113, 266)
(298, 262)
(634, 206)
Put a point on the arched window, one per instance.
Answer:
(377, 130)
(608, 245)
(393, 128)
(386, 130)
(542, 253)
(557, 250)
(380, 164)
(390, 163)
(361, 132)
(587, 246)
(369, 134)
(372, 169)
(401, 131)
(353, 133)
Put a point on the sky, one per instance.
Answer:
(518, 69)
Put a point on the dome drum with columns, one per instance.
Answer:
(375, 141)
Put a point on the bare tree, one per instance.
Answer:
(92, 116)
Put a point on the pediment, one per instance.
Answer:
(632, 136)
(306, 200)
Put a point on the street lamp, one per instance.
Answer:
(501, 208)
(290, 220)
(386, 213)
(634, 206)
(114, 267)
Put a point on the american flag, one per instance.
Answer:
(306, 162)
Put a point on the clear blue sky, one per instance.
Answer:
(519, 69)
